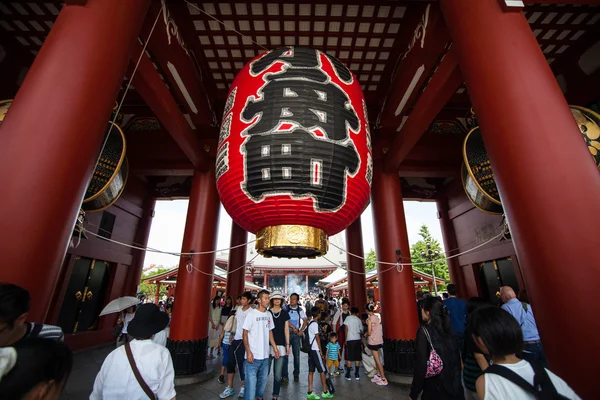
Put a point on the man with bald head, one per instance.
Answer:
(522, 312)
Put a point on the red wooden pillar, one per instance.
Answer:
(189, 325)
(50, 139)
(265, 279)
(550, 192)
(396, 289)
(357, 285)
(141, 237)
(237, 258)
(450, 243)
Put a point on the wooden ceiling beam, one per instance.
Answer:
(161, 168)
(171, 53)
(153, 90)
(427, 38)
(440, 89)
(181, 14)
(430, 170)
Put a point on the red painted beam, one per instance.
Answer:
(427, 38)
(153, 90)
(442, 86)
(428, 170)
(170, 51)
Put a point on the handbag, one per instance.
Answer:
(137, 374)
(117, 330)
(435, 365)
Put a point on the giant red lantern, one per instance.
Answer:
(294, 159)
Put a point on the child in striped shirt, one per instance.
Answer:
(333, 354)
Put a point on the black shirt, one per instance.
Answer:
(446, 385)
(279, 320)
(225, 311)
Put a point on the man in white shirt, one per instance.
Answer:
(258, 333)
(354, 328)
(236, 350)
(116, 379)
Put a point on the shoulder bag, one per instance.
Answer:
(137, 374)
(435, 365)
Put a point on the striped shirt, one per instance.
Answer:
(35, 330)
(333, 351)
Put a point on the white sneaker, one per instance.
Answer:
(228, 392)
(241, 393)
(375, 379)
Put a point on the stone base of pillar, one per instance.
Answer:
(399, 355)
(184, 380)
(400, 379)
(189, 356)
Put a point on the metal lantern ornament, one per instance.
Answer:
(478, 177)
(294, 160)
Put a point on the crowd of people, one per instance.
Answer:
(261, 333)
(464, 350)
(476, 350)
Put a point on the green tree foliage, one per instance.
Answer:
(370, 263)
(441, 267)
(149, 289)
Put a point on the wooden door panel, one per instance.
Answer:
(74, 294)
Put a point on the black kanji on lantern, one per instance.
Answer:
(300, 142)
(299, 164)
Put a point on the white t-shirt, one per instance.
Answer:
(128, 318)
(498, 388)
(313, 329)
(241, 317)
(162, 336)
(355, 327)
(259, 324)
(116, 381)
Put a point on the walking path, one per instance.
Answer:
(87, 364)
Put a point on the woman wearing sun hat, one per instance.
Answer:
(117, 379)
(281, 334)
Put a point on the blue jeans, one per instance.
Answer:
(295, 343)
(256, 378)
(277, 370)
(534, 352)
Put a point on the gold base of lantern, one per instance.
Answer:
(291, 241)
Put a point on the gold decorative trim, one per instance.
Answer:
(113, 201)
(117, 169)
(291, 241)
(473, 200)
(468, 168)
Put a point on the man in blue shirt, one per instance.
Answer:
(522, 312)
(458, 314)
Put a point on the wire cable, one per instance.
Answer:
(195, 253)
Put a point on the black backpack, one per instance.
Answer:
(542, 389)
(306, 343)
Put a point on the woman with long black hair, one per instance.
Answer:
(437, 363)
(214, 326)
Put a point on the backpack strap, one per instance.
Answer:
(137, 374)
(512, 377)
(542, 381)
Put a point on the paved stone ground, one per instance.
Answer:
(88, 363)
